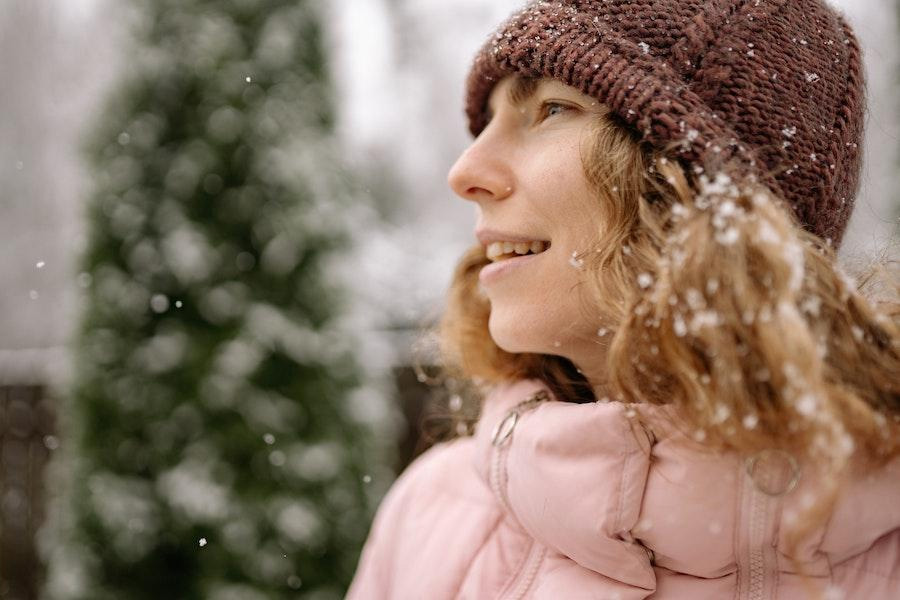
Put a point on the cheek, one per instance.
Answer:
(569, 205)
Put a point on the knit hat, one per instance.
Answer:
(775, 86)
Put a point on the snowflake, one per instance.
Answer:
(728, 237)
(705, 318)
(722, 414)
(575, 261)
(807, 404)
(679, 326)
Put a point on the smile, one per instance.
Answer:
(505, 261)
(498, 251)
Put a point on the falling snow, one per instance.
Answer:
(645, 280)
(575, 261)
(679, 326)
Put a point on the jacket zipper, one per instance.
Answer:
(525, 577)
(521, 581)
(497, 473)
(756, 559)
(762, 494)
(502, 437)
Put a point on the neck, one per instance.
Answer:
(594, 371)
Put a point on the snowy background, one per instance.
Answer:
(399, 67)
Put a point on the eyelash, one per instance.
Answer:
(544, 112)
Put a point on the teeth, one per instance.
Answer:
(501, 250)
(494, 250)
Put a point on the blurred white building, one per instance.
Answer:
(56, 58)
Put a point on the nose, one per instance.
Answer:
(481, 173)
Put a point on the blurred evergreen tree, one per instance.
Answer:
(210, 436)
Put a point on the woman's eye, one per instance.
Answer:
(551, 109)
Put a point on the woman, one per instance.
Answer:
(683, 397)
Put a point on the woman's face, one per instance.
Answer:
(525, 173)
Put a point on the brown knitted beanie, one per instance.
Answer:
(775, 86)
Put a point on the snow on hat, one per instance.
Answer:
(776, 86)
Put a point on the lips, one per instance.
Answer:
(507, 251)
(501, 268)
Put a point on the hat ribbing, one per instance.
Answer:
(773, 85)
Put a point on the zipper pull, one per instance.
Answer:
(504, 429)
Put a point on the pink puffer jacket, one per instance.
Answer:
(587, 501)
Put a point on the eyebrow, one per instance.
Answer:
(520, 91)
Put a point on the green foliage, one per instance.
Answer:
(209, 445)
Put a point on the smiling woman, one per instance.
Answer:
(682, 394)
(520, 173)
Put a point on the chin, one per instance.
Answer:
(513, 333)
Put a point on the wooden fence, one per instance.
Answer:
(27, 427)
